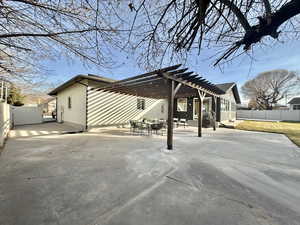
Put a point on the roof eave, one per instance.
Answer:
(65, 85)
(74, 80)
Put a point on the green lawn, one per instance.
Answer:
(290, 129)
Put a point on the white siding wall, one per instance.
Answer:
(5, 121)
(106, 108)
(231, 114)
(76, 115)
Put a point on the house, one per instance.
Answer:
(49, 105)
(187, 108)
(80, 103)
(294, 103)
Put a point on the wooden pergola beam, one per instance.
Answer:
(179, 80)
(170, 68)
(177, 88)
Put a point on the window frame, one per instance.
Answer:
(296, 107)
(186, 104)
(69, 102)
(162, 108)
(141, 104)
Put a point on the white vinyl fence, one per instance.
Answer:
(5, 122)
(279, 115)
(23, 115)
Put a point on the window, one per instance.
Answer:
(206, 105)
(233, 106)
(223, 104)
(141, 103)
(296, 107)
(181, 104)
(227, 105)
(69, 103)
(162, 108)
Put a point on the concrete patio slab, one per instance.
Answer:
(110, 176)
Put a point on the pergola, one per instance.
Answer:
(168, 83)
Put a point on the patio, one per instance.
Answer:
(168, 83)
(110, 176)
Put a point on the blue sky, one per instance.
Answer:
(279, 56)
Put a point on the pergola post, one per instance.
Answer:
(200, 114)
(214, 110)
(170, 113)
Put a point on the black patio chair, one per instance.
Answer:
(142, 127)
(157, 126)
(176, 122)
(183, 122)
(133, 126)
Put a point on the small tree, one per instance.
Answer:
(15, 96)
(267, 88)
(252, 104)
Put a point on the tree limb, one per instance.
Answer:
(10, 35)
(237, 12)
(267, 7)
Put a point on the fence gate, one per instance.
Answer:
(27, 115)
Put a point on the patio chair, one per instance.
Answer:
(157, 126)
(133, 126)
(183, 122)
(175, 120)
(143, 127)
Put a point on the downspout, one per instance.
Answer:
(56, 108)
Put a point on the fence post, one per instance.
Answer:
(265, 114)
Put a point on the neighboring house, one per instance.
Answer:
(278, 106)
(49, 105)
(187, 108)
(294, 103)
(79, 103)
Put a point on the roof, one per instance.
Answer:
(225, 86)
(231, 86)
(79, 78)
(154, 84)
(295, 100)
